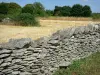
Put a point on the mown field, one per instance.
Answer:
(47, 27)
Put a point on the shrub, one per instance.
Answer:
(49, 12)
(65, 11)
(62, 11)
(36, 9)
(57, 11)
(13, 9)
(77, 10)
(2, 16)
(87, 11)
(26, 19)
(28, 8)
(4, 8)
(39, 9)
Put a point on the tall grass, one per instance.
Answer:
(87, 66)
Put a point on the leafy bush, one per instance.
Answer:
(3, 8)
(87, 11)
(76, 10)
(57, 11)
(36, 9)
(2, 16)
(28, 8)
(13, 9)
(62, 11)
(26, 19)
(49, 12)
(65, 11)
(39, 9)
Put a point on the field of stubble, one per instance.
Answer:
(46, 29)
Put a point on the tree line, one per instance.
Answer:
(38, 9)
(76, 10)
(25, 15)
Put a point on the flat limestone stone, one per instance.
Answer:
(5, 51)
(4, 56)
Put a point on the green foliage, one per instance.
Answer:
(57, 11)
(65, 10)
(3, 8)
(62, 11)
(77, 10)
(36, 9)
(39, 9)
(14, 9)
(28, 9)
(87, 11)
(2, 16)
(60, 72)
(49, 12)
(10, 8)
(86, 66)
(96, 16)
(26, 19)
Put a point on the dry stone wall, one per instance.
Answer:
(45, 55)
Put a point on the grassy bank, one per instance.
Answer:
(87, 66)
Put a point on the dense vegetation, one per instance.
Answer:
(25, 16)
(25, 19)
(76, 10)
(96, 16)
(86, 66)
(36, 9)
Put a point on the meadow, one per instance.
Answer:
(48, 27)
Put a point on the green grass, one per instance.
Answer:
(96, 16)
(86, 66)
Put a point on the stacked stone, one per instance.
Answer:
(20, 58)
(45, 55)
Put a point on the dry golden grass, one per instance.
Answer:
(68, 18)
(47, 28)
